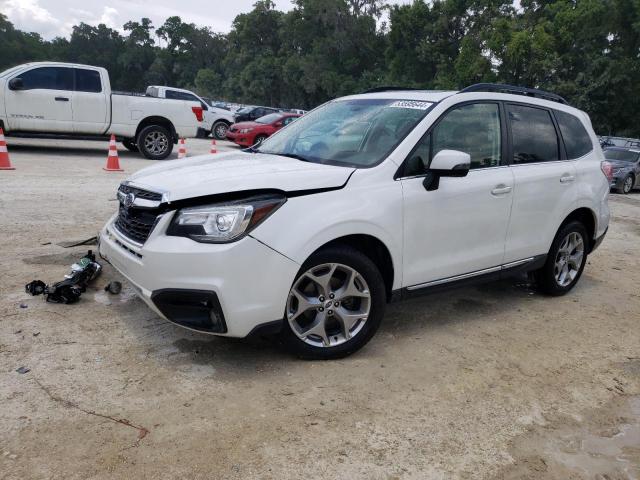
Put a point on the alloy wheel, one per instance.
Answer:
(156, 143)
(628, 184)
(328, 305)
(221, 131)
(569, 259)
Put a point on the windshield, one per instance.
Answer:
(245, 110)
(272, 117)
(352, 132)
(623, 155)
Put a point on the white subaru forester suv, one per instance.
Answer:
(365, 200)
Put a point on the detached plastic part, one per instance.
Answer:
(113, 287)
(74, 284)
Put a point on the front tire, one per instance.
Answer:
(335, 305)
(219, 130)
(259, 139)
(155, 142)
(565, 261)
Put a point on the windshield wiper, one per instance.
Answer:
(289, 155)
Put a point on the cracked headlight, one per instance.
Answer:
(223, 222)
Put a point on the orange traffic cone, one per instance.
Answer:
(5, 163)
(182, 151)
(213, 146)
(113, 162)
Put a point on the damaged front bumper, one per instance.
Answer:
(226, 289)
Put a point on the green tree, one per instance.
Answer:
(208, 83)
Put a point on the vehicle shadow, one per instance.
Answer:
(416, 317)
(100, 149)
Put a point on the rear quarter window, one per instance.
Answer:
(88, 81)
(576, 139)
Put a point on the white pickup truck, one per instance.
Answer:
(216, 120)
(64, 99)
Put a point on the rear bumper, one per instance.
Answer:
(616, 182)
(599, 240)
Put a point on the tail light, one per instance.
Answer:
(607, 169)
(197, 111)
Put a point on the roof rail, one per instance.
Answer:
(513, 89)
(388, 89)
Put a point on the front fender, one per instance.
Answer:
(306, 223)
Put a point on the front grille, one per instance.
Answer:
(140, 193)
(136, 223)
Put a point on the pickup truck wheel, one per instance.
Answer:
(155, 142)
(335, 305)
(130, 144)
(219, 130)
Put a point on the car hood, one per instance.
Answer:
(241, 125)
(237, 172)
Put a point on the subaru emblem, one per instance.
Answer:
(129, 199)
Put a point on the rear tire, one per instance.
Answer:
(627, 184)
(130, 144)
(337, 312)
(565, 261)
(219, 130)
(155, 142)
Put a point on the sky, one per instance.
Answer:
(55, 18)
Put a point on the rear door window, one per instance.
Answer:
(48, 78)
(533, 135)
(577, 142)
(88, 81)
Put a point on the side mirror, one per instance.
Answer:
(16, 84)
(277, 124)
(446, 163)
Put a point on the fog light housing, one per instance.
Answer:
(195, 309)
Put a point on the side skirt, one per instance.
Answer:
(473, 278)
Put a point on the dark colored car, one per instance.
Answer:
(246, 134)
(625, 163)
(249, 114)
(619, 142)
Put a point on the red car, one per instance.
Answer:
(246, 134)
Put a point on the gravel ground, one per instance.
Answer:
(489, 382)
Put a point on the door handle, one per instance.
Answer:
(567, 178)
(501, 190)
(62, 99)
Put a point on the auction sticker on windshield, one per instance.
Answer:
(416, 105)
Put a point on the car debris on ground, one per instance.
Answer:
(74, 284)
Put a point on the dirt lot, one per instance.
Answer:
(491, 382)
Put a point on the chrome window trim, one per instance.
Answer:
(470, 172)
